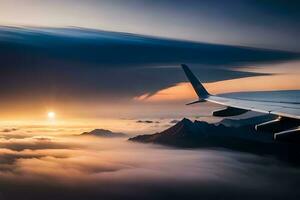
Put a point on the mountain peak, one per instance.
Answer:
(186, 121)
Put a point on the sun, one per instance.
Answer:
(51, 115)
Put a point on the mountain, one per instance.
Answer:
(103, 133)
(188, 133)
(199, 134)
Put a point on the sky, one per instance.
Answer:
(115, 59)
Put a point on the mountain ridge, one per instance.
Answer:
(244, 138)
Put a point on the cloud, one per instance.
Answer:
(115, 169)
(15, 133)
(147, 121)
(67, 62)
(7, 130)
(32, 143)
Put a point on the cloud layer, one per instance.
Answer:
(72, 168)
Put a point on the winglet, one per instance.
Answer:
(198, 87)
(194, 102)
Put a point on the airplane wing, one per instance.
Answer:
(288, 112)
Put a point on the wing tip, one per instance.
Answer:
(197, 85)
(184, 66)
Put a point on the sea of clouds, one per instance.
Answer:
(75, 167)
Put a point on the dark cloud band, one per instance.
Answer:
(83, 63)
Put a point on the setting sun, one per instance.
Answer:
(51, 115)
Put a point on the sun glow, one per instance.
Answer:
(51, 115)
